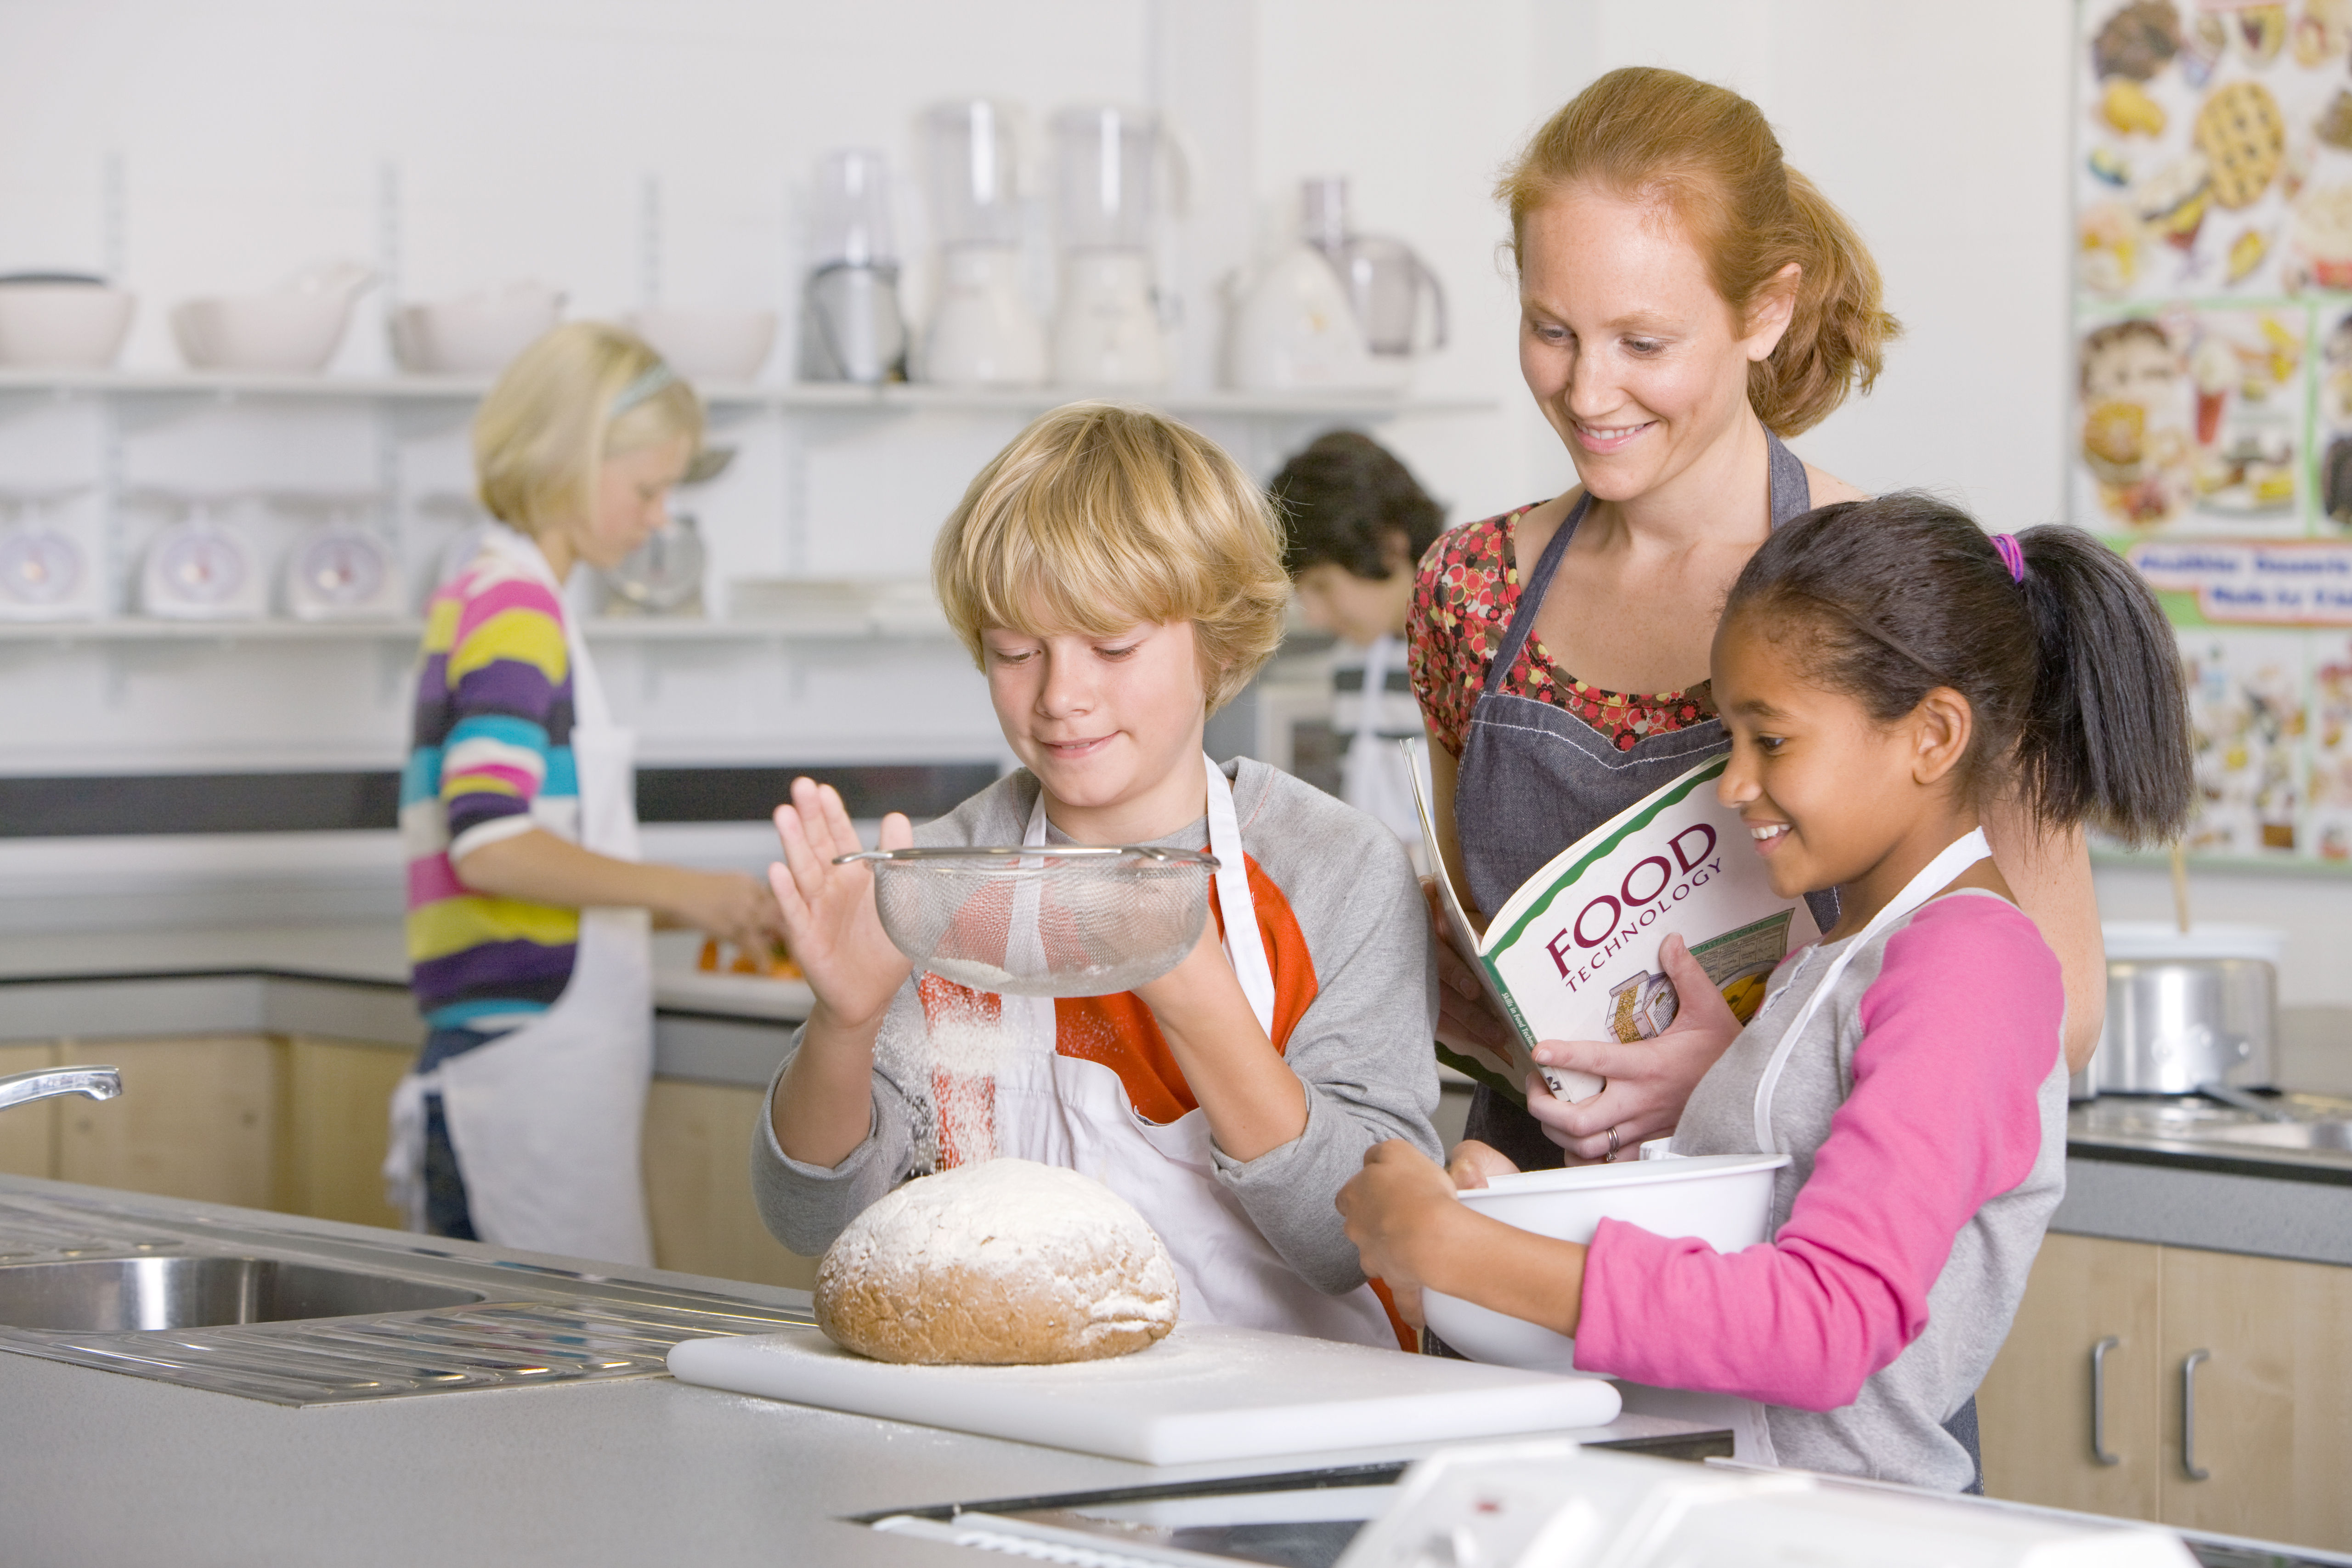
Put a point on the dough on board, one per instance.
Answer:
(1006, 1262)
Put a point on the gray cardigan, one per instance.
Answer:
(1363, 1049)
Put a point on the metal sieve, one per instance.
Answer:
(1065, 919)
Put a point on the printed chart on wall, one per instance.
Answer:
(2213, 416)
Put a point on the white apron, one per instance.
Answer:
(1060, 1111)
(547, 1121)
(1752, 1440)
(1372, 772)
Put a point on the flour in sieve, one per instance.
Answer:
(964, 1040)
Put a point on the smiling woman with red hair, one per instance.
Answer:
(1687, 301)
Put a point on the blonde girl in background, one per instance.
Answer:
(528, 908)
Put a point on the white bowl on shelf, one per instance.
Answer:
(474, 334)
(61, 323)
(709, 344)
(1724, 1200)
(294, 329)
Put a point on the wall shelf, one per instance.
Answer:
(805, 397)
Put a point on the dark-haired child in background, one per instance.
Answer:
(1357, 523)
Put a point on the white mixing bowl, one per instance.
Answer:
(1724, 1200)
(709, 344)
(284, 332)
(474, 334)
(62, 326)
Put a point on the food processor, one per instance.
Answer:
(851, 328)
(983, 331)
(1106, 327)
(1387, 281)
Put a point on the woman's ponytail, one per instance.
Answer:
(1837, 334)
(2106, 735)
(2069, 671)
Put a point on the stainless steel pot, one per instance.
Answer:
(2184, 1011)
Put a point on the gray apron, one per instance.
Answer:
(1535, 778)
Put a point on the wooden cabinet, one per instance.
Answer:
(2272, 1423)
(338, 1107)
(299, 1125)
(2272, 1396)
(698, 1161)
(197, 1117)
(2033, 1412)
(29, 1134)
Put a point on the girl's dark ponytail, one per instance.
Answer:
(2070, 670)
(2107, 736)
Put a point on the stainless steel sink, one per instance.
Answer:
(115, 1294)
(261, 1308)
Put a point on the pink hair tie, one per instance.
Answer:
(2006, 546)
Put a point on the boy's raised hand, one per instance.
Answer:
(830, 922)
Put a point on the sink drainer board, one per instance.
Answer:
(92, 1271)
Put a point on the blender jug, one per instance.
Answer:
(851, 328)
(1106, 330)
(982, 333)
(1386, 280)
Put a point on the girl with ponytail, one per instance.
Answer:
(1891, 679)
(1687, 301)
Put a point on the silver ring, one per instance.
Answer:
(1613, 1147)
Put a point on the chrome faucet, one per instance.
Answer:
(99, 1083)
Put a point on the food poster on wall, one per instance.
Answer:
(2192, 422)
(2246, 710)
(2211, 431)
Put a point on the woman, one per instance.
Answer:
(1687, 301)
(526, 904)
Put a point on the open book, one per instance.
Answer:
(1574, 954)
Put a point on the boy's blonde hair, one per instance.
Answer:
(1101, 516)
(551, 418)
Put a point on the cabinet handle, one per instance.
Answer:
(2099, 1401)
(2188, 1415)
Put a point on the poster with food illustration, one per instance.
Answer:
(2247, 711)
(2191, 421)
(2213, 149)
(2328, 811)
(2332, 438)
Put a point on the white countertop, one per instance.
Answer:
(104, 1469)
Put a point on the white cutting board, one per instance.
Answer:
(1205, 1392)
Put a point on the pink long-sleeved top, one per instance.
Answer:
(1925, 1105)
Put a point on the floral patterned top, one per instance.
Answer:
(1463, 600)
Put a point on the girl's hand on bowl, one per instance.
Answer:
(1395, 1209)
(1647, 1083)
(829, 918)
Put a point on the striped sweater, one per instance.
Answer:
(492, 758)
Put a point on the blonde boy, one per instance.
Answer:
(1118, 577)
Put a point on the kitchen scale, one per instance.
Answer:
(46, 573)
(1550, 1504)
(198, 569)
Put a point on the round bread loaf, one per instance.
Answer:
(1002, 1263)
